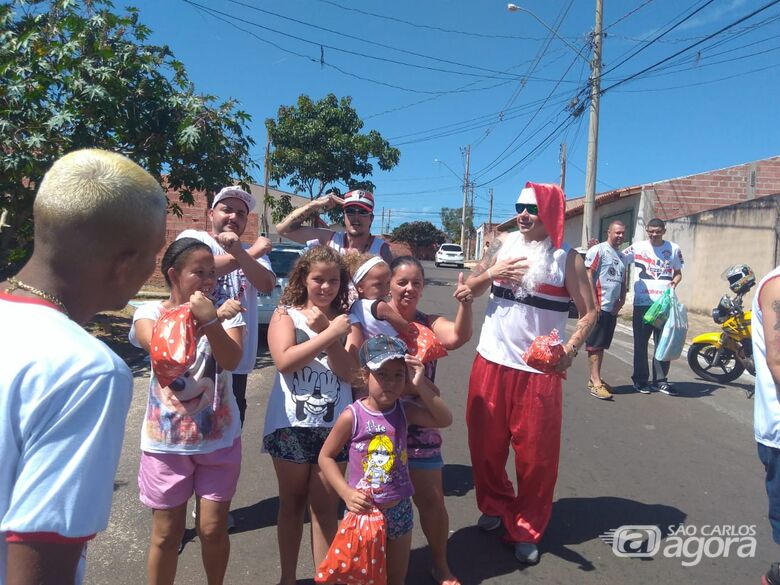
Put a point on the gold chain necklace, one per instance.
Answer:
(46, 296)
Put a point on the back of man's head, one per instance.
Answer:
(98, 202)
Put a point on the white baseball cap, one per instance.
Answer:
(234, 193)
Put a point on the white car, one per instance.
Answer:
(282, 257)
(449, 254)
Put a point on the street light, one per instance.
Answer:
(515, 8)
(441, 162)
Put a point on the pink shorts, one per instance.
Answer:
(167, 480)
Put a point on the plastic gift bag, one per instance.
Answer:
(658, 312)
(173, 344)
(423, 343)
(672, 340)
(357, 554)
(545, 352)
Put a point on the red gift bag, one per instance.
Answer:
(173, 344)
(357, 554)
(423, 343)
(545, 352)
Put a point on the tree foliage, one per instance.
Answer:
(73, 74)
(418, 233)
(318, 145)
(452, 218)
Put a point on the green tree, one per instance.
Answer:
(318, 144)
(451, 220)
(73, 74)
(418, 233)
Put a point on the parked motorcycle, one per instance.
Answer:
(722, 356)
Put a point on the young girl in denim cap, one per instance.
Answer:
(191, 437)
(307, 337)
(375, 428)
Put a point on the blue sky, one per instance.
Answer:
(499, 81)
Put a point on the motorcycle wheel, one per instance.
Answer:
(700, 360)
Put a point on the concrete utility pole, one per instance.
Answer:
(267, 176)
(389, 211)
(490, 209)
(588, 230)
(563, 167)
(465, 199)
(382, 225)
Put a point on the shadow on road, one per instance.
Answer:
(574, 521)
(686, 389)
(457, 480)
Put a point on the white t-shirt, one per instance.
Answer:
(360, 312)
(654, 270)
(64, 397)
(310, 397)
(512, 324)
(197, 413)
(609, 271)
(766, 408)
(230, 286)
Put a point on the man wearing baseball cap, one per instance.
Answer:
(242, 270)
(358, 214)
(531, 276)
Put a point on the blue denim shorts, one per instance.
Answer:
(399, 519)
(770, 457)
(434, 462)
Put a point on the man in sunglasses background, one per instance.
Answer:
(531, 276)
(358, 208)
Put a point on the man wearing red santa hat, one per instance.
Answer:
(531, 276)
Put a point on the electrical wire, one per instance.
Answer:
(626, 15)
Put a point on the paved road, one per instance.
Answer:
(638, 460)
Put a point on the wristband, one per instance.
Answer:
(214, 320)
(490, 274)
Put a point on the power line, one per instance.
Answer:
(627, 14)
(339, 49)
(363, 40)
(689, 47)
(429, 27)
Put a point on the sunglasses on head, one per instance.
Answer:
(356, 211)
(531, 208)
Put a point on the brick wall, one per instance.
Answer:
(693, 194)
(194, 217)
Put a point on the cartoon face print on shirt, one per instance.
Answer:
(230, 286)
(316, 393)
(378, 461)
(194, 390)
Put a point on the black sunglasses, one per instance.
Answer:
(356, 211)
(531, 208)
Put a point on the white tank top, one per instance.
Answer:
(512, 324)
(766, 408)
(338, 242)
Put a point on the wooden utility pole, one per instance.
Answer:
(465, 200)
(563, 167)
(589, 204)
(264, 220)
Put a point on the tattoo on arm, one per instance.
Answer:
(488, 258)
(776, 309)
(583, 329)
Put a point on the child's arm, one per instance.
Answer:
(289, 356)
(143, 332)
(226, 345)
(342, 359)
(339, 435)
(384, 312)
(435, 413)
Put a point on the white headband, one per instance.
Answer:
(361, 272)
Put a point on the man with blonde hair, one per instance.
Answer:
(64, 396)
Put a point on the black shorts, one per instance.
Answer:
(602, 333)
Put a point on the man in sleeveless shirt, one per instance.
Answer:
(358, 208)
(766, 419)
(531, 279)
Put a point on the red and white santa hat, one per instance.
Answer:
(552, 207)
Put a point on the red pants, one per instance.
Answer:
(508, 405)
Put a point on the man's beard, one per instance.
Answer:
(540, 261)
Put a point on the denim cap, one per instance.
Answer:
(380, 349)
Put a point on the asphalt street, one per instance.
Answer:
(639, 460)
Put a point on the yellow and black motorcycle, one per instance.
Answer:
(722, 356)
